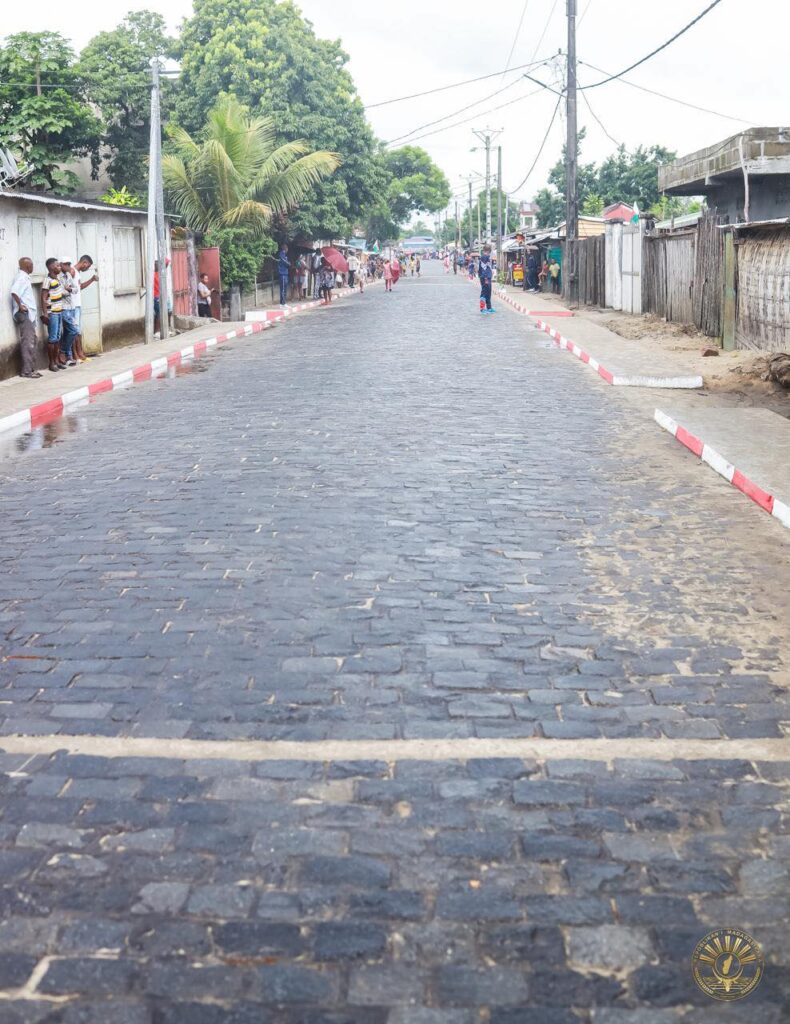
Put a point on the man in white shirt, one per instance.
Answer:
(204, 296)
(23, 309)
(72, 305)
(353, 267)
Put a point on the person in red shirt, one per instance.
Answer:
(157, 325)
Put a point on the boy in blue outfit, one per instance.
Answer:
(486, 274)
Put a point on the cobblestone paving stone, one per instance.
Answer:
(393, 519)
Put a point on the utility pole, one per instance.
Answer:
(571, 159)
(499, 207)
(487, 136)
(470, 215)
(457, 239)
(157, 242)
(479, 227)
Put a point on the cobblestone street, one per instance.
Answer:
(389, 521)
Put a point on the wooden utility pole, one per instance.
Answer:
(157, 240)
(457, 239)
(571, 161)
(470, 215)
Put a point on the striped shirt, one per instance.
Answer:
(55, 289)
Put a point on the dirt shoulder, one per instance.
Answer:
(737, 377)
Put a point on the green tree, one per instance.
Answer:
(267, 54)
(592, 205)
(115, 67)
(231, 183)
(633, 176)
(416, 184)
(44, 124)
(551, 208)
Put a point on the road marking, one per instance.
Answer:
(403, 750)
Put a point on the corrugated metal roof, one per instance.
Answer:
(74, 204)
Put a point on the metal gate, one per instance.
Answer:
(182, 300)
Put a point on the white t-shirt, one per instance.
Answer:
(72, 292)
(353, 263)
(204, 293)
(23, 288)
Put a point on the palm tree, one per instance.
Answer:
(235, 175)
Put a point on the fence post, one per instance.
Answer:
(729, 306)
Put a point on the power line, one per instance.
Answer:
(455, 85)
(545, 27)
(515, 37)
(521, 184)
(474, 117)
(600, 122)
(455, 113)
(658, 49)
(672, 99)
(584, 13)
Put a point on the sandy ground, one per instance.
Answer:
(731, 376)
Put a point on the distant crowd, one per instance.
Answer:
(60, 312)
(315, 274)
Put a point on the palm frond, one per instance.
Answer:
(249, 213)
(182, 192)
(286, 190)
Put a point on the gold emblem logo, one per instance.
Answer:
(727, 964)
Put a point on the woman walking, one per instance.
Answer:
(387, 275)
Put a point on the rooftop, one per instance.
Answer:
(73, 202)
(759, 150)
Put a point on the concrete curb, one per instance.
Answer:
(506, 297)
(768, 502)
(617, 380)
(45, 412)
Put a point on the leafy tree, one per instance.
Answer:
(416, 184)
(116, 69)
(267, 54)
(121, 197)
(420, 228)
(43, 123)
(551, 207)
(232, 182)
(674, 206)
(592, 205)
(633, 176)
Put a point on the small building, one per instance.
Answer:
(745, 177)
(618, 212)
(41, 226)
(528, 216)
(418, 244)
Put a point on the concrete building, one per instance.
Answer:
(745, 177)
(40, 226)
(528, 217)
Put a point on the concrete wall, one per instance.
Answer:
(769, 198)
(121, 315)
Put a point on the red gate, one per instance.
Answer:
(182, 304)
(208, 263)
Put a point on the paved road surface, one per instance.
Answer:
(393, 520)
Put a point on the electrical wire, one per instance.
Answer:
(515, 37)
(545, 28)
(474, 117)
(601, 125)
(455, 85)
(658, 49)
(521, 184)
(672, 99)
(584, 13)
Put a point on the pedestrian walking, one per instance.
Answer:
(554, 275)
(486, 274)
(387, 276)
(52, 316)
(532, 272)
(316, 261)
(353, 269)
(283, 272)
(446, 263)
(419, 266)
(327, 278)
(204, 296)
(302, 275)
(396, 271)
(23, 309)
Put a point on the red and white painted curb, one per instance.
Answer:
(759, 495)
(45, 412)
(508, 298)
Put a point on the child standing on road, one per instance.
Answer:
(486, 274)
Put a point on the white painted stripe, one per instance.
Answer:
(744, 749)
(782, 512)
(188, 352)
(157, 365)
(576, 350)
(594, 364)
(718, 462)
(75, 396)
(120, 379)
(665, 421)
(645, 381)
(211, 342)
(16, 419)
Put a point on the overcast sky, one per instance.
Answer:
(734, 62)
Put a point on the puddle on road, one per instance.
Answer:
(76, 422)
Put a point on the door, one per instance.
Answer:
(91, 301)
(208, 263)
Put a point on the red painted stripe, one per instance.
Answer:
(142, 372)
(100, 386)
(174, 359)
(46, 411)
(608, 377)
(584, 356)
(200, 346)
(690, 441)
(751, 490)
(221, 338)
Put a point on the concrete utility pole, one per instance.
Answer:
(470, 215)
(457, 239)
(157, 242)
(571, 159)
(499, 207)
(487, 136)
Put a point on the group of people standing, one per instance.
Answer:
(61, 310)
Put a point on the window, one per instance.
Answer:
(31, 241)
(127, 260)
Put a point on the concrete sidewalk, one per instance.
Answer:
(617, 360)
(750, 448)
(25, 403)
